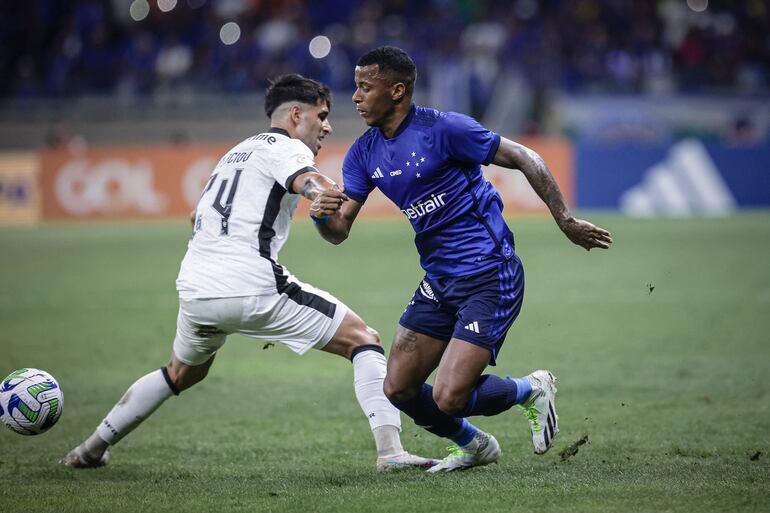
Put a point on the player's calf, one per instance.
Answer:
(139, 402)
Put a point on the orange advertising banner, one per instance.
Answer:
(134, 182)
(19, 192)
(125, 182)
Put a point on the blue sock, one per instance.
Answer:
(494, 395)
(426, 414)
(523, 389)
(465, 434)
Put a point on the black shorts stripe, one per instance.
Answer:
(299, 296)
(305, 298)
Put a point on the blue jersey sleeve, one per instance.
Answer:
(466, 140)
(354, 175)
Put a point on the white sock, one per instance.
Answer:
(139, 401)
(95, 446)
(388, 441)
(369, 368)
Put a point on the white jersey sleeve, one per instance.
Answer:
(298, 160)
(242, 219)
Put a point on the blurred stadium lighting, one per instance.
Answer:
(525, 9)
(698, 5)
(230, 33)
(613, 72)
(139, 10)
(320, 46)
(166, 5)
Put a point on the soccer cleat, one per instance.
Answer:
(79, 458)
(482, 450)
(540, 409)
(403, 460)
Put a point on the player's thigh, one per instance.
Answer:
(424, 330)
(301, 317)
(458, 372)
(201, 328)
(413, 357)
(487, 305)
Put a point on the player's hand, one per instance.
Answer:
(585, 234)
(328, 202)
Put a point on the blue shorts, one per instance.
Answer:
(478, 309)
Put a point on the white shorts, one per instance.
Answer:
(302, 317)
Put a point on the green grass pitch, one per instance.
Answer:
(661, 347)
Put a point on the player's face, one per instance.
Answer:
(313, 125)
(374, 95)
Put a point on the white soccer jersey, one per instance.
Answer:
(242, 220)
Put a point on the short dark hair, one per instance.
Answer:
(393, 61)
(295, 88)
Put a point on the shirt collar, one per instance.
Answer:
(405, 122)
(276, 130)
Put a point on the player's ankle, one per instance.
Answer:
(388, 441)
(389, 455)
(94, 446)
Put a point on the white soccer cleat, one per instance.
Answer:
(402, 461)
(540, 409)
(79, 458)
(482, 450)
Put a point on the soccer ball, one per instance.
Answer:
(30, 401)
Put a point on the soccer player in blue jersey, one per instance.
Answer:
(428, 163)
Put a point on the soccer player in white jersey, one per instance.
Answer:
(231, 282)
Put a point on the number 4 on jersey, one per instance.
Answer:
(225, 209)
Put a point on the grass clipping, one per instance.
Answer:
(572, 450)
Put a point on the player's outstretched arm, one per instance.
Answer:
(516, 156)
(332, 211)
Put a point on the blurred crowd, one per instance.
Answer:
(51, 48)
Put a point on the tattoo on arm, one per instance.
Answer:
(542, 181)
(517, 156)
(310, 188)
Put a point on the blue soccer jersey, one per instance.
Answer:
(431, 169)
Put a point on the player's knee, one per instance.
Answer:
(189, 380)
(398, 392)
(184, 376)
(449, 401)
(367, 336)
(363, 338)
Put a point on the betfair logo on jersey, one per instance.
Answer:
(424, 206)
